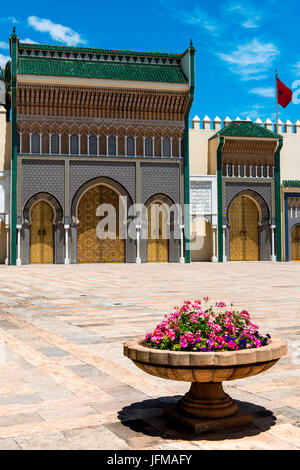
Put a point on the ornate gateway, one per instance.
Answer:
(296, 243)
(244, 239)
(91, 249)
(158, 245)
(41, 235)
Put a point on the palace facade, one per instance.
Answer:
(98, 126)
(91, 127)
(245, 190)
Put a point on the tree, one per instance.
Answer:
(5, 76)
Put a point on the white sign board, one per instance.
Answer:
(2, 92)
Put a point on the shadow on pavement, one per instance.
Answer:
(146, 417)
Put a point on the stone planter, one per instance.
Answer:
(206, 407)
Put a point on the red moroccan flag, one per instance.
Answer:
(284, 94)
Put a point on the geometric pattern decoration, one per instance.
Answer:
(43, 176)
(244, 234)
(233, 185)
(91, 249)
(161, 178)
(41, 234)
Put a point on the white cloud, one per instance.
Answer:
(251, 60)
(198, 18)
(250, 16)
(9, 19)
(3, 59)
(266, 92)
(4, 45)
(58, 32)
(28, 41)
(296, 68)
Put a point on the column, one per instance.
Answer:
(224, 240)
(41, 143)
(66, 227)
(171, 147)
(182, 260)
(19, 227)
(7, 238)
(138, 255)
(30, 147)
(144, 146)
(273, 256)
(153, 146)
(214, 259)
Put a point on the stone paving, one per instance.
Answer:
(64, 383)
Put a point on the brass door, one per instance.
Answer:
(41, 234)
(244, 234)
(296, 244)
(90, 249)
(158, 247)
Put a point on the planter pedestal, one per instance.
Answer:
(206, 407)
(239, 420)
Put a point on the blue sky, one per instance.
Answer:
(239, 43)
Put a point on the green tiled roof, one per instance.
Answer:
(101, 70)
(46, 47)
(246, 129)
(291, 183)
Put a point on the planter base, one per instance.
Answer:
(238, 420)
(207, 400)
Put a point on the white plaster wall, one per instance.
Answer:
(290, 157)
(198, 142)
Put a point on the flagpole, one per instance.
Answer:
(276, 97)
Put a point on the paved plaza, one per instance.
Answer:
(64, 383)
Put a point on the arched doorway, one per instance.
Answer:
(41, 233)
(91, 249)
(295, 239)
(202, 239)
(244, 230)
(158, 244)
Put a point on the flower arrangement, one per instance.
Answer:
(198, 327)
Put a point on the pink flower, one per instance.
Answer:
(231, 345)
(220, 304)
(194, 318)
(228, 313)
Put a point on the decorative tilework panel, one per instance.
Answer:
(43, 176)
(83, 171)
(265, 190)
(160, 178)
